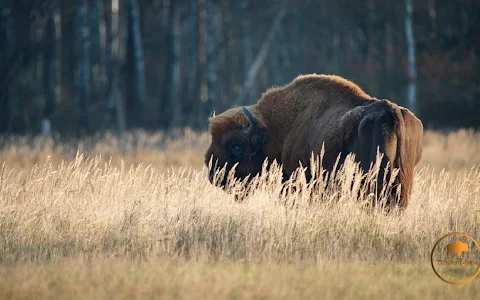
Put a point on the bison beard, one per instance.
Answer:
(290, 123)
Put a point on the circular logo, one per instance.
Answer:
(455, 258)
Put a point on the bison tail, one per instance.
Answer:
(409, 131)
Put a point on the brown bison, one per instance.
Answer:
(290, 123)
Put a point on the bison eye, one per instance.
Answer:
(236, 148)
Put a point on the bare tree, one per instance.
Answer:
(137, 61)
(299, 43)
(248, 49)
(176, 103)
(388, 59)
(279, 59)
(96, 47)
(7, 54)
(212, 52)
(50, 70)
(194, 73)
(262, 54)
(84, 64)
(202, 55)
(114, 55)
(412, 71)
(96, 7)
(167, 67)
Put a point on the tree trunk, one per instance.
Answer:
(248, 50)
(138, 98)
(389, 58)
(230, 60)
(300, 41)
(412, 71)
(50, 71)
(7, 38)
(84, 64)
(279, 60)
(165, 112)
(113, 58)
(96, 7)
(261, 55)
(175, 102)
(274, 69)
(371, 55)
(68, 58)
(212, 53)
(193, 79)
(222, 44)
(97, 79)
(109, 103)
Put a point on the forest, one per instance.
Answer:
(88, 66)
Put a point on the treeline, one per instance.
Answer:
(91, 65)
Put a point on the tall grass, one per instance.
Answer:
(112, 205)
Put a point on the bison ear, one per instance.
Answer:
(259, 138)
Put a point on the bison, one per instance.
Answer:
(290, 123)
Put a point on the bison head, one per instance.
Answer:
(238, 137)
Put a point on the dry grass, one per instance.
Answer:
(183, 148)
(120, 279)
(458, 150)
(99, 225)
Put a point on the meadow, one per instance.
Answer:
(135, 217)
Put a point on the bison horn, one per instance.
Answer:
(253, 120)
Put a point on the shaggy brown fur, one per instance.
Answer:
(313, 110)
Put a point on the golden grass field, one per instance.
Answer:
(135, 217)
